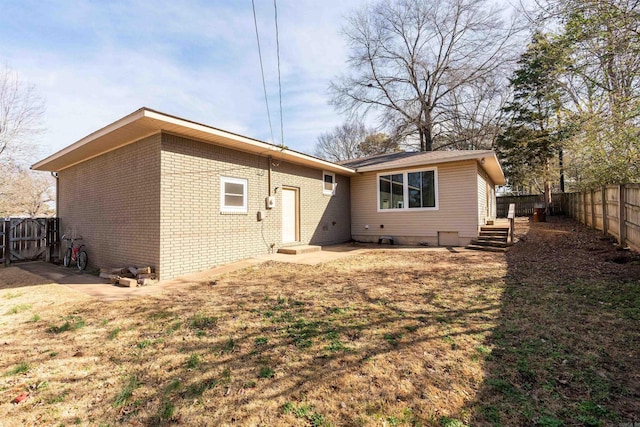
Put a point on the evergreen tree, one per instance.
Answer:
(536, 123)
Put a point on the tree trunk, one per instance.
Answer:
(548, 203)
(428, 143)
(428, 128)
(561, 164)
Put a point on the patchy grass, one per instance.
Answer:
(266, 372)
(545, 335)
(306, 413)
(568, 336)
(123, 397)
(18, 308)
(194, 361)
(18, 369)
(11, 295)
(71, 323)
(113, 334)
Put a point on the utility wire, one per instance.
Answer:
(275, 7)
(264, 84)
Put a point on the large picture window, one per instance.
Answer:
(233, 195)
(408, 190)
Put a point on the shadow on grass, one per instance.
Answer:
(388, 342)
(544, 335)
(565, 351)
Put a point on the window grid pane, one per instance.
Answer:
(233, 197)
(420, 189)
(428, 189)
(233, 188)
(328, 183)
(391, 191)
(385, 192)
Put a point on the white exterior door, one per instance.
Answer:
(289, 215)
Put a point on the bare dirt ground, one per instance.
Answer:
(546, 334)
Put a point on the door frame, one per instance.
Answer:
(296, 191)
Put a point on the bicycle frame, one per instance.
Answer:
(73, 253)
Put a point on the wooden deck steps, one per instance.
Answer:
(491, 239)
(301, 249)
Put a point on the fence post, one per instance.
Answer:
(593, 210)
(570, 205)
(622, 215)
(3, 244)
(603, 192)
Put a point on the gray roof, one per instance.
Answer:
(403, 159)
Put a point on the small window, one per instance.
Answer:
(328, 183)
(233, 195)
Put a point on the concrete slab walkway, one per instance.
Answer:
(99, 288)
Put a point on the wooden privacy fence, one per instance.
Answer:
(614, 209)
(524, 204)
(27, 239)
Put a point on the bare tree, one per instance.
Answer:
(474, 116)
(24, 192)
(351, 140)
(343, 142)
(378, 143)
(21, 114)
(413, 61)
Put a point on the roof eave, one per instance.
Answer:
(152, 122)
(136, 115)
(491, 165)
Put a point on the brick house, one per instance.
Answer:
(154, 189)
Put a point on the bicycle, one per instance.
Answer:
(75, 253)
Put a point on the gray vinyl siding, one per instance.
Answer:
(482, 197)
(486, 198)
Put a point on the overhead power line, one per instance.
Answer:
(275, 8)
(264, 84)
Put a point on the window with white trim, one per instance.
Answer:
(408, 190)
(233, 195)
(328, 183)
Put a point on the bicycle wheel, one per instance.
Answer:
(82, 260)
(66, 261)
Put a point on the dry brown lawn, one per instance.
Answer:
(384, 338)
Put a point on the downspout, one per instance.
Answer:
(269, 159)
(55, 176)
(56, 237)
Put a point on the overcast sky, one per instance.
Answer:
(97, 61)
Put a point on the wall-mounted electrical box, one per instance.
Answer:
(270, 202)
(260, 215)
